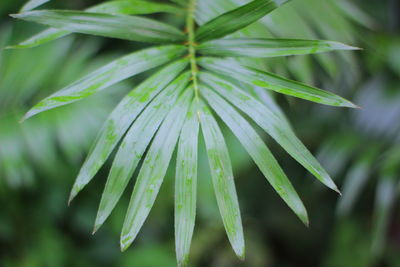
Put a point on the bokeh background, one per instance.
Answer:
(40, 158)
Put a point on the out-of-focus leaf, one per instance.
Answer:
(153, 169)
(222, 177)
(120, 120)
(54, 142)
(124, 27)
(260, 153)
(186, 186)
(32, 4)
(335, 152)
(245, 47)
(272, 122)
(126, 7)
(14, 163)
(391, 163)
(108, 75)
(236, 19)
(273, 82)
(385, 196)
(134, 145)
(301, 69)
(386, 193)
(356, 179)
(352, 11)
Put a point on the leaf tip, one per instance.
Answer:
(349, 104)
(331, 184)
(95, 228)
(125, 243)
(182, 262)
(355, 48)
(100, 219)
(126, 239)
(69, 201)
(304, 218)
(357, 107)
(22, 120)
(72, 195)
(29, 114)
(342, 46)
(240, 250)
(16, 16)
(334, 188)
(16, 46)
(242, 256)
(98, 222)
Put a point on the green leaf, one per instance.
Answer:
(43, 37)
(126, 7)
(108, 75)
(222, 177)
(134, 7)
(124, 27)
(356, 179)
(245, 47)
(120, 120)
(32, 4)
(391, 163)
(260, 153)
(355, 13)
(272, 121)
(236, 19)
(385, 198)
(185, 186)
(134, 145)
(273, 82)
(153, 169)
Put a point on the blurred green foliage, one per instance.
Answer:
(40, 158)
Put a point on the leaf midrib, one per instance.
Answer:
(191, 42)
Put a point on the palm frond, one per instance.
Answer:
(170, 106)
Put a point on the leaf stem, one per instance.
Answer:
(190, 27)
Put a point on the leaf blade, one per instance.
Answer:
(185, 186)
(125, 7)
(153, 170)
(222, 177)
(108, 75)
(252, 47)
(32, 4)
(134, 145)
(132, 28)
(272, 122)
(273, 82)
(236, 19)
(260, 153)
(385, 198)
(120, 120)
(134, 7)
